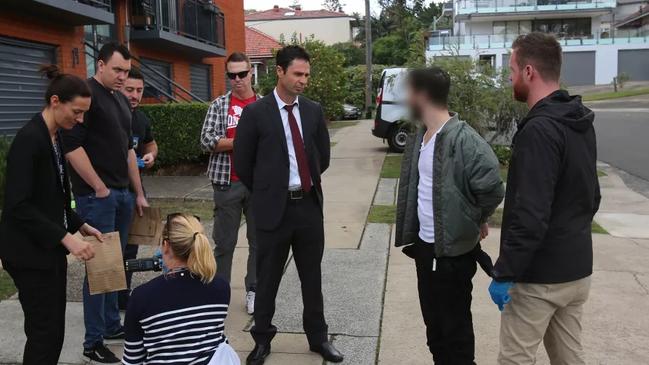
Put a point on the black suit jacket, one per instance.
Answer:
(261, 155)
(31, 227)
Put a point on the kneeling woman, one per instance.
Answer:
(179, 317)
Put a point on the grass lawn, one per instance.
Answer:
(615, 95)
(341, 124)
(601, 173)
(598, 229)
(333, 143)
(7, 287)
(203, 209)
(503, 173)
(382, 214)
(391, 166)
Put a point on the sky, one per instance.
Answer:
(351, 6)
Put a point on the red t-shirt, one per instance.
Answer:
(234, 113)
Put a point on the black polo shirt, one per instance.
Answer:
(105, 135)
(142, 134)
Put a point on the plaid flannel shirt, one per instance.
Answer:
(215, 128)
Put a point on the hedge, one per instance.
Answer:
(177, 130)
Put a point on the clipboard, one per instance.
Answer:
(147, 229)
(106, 270)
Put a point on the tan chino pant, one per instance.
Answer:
(548, 312)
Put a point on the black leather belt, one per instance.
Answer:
(296, 194)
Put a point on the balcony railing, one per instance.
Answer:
(471, 42)
(100, 4)
(199, 20)
(512, 6)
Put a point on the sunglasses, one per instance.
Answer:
(233, 75)
(170, 219)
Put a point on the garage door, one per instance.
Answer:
(578, 68)
(22, 87)
(635, 63)
(200, 81)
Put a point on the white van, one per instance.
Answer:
(392, 110)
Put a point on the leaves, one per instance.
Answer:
(327, 84)
(177, 129)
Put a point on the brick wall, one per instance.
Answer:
(33, 29)
(235, 41)
(66, 38)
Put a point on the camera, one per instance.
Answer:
(146, 264)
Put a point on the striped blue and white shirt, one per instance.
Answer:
(175, 319)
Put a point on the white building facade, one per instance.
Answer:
(594, 50)
(284, 23)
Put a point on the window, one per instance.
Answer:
(199, 77)
(564, 28)
(157, 84)
(96, 36)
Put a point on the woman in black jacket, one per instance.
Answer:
(37, 221)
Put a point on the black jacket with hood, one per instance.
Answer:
(552, 195)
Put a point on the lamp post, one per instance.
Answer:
(368, 60)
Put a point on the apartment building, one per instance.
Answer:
(597, 46)
(179, 45)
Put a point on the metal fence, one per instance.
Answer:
(195, 19)
(505, 40)
(488, 6)
(101, 4)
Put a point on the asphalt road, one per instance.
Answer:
(622, 128)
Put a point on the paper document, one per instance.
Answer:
(147, 229)
(106, 270)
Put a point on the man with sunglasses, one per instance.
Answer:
(231, 197)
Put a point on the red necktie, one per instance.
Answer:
(300, 152)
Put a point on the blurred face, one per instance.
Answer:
(133, 90)
(113, 74)
(242, 81)
(520, 78)
(295, 78)
(414, 100)
(69, 114)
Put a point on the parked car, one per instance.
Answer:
(351, 112)
(392, 115)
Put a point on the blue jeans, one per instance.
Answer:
(109, 214)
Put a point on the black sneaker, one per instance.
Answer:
(117, 335)
(101, 354)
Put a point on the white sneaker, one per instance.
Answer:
(250, 302)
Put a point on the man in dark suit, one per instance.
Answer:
(280, 149)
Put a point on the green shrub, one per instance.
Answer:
(5, 143)
(355, 84)
(177, 130)
(504, 154)
(482, 96)
(327, 82)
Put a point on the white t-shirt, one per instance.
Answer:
(425, 190)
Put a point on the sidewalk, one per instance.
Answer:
(371, 301)
(353, 279)
(616, 318)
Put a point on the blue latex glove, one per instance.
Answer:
(140, 163)
(158, 255)
(499, 292)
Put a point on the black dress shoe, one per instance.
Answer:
(258, 355)
(328, 352)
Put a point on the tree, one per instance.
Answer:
(390, 50)
(353, 55)
(327, 82)
(333, 5)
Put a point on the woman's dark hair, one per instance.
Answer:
(434, 82)
(287, 54)
(65, 86)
